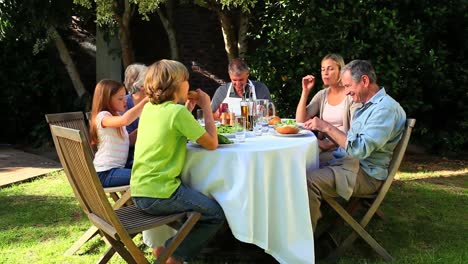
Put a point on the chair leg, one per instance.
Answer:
(359, 230)
(120, 248)
(179, 237)
(114, 196)
(349, 241)
(90, 233)
(109, 253)
(378, 212)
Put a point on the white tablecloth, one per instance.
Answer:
(261, 186)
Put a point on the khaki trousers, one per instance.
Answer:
(322, 181)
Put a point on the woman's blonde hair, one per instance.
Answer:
(103, 92)
(163, 78)
(338, 60)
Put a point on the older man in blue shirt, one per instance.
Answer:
(375, 130)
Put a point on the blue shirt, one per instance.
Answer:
(134, 124)
(375, 131)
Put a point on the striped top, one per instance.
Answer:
(112, 150)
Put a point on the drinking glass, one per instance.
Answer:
(258, 125)
(200, 118)
(246, 111)
(240, 128)
(261, 107)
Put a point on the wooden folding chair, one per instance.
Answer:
(117, 226)
(373, 207)
(76, 120)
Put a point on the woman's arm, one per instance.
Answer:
(301, 110)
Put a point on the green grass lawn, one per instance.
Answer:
(426, 210)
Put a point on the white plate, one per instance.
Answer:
(226, 145)
(229, 135)
(300, 134)
(233, 135)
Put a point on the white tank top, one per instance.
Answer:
(333, 114)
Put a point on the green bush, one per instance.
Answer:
(33, 87)
(33, 77)
(417, 48)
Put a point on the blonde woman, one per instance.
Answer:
(330, 104)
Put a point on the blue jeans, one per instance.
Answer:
(115, 177)
(182, 200)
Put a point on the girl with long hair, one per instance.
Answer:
(108, 134)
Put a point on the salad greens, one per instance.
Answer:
(290, 122)
(223, 129)
(224, 140)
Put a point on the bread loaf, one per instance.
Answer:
(274, 120)
(287, 129)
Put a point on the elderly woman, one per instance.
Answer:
(134, 79)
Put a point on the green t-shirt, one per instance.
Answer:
(160, 149)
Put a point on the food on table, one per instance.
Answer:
(289, 122)
(192, 95)
(223, 140)
(274, 120)
(225, 129)
(287, 129)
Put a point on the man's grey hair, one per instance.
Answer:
(134, 77)
(237, 67)
(358, 68)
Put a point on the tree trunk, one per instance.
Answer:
(128, 56)
(68, 61)
(229, 34)
(168, 23)
(242, 34)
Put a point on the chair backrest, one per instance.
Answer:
(76, 158)
(399, 151)
(88, 116)
(74, 120)
(393, 167)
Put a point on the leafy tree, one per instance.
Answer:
(41, 21)
(417, 48)
(32, 74)
(234, 17)
(112, 15)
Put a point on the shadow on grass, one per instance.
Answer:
(53, 214)
(426, 222)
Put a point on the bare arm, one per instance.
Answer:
(301, 110)
(333, 133)
(208, 140)
(125, 119)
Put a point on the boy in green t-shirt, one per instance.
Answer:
(160, 151)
